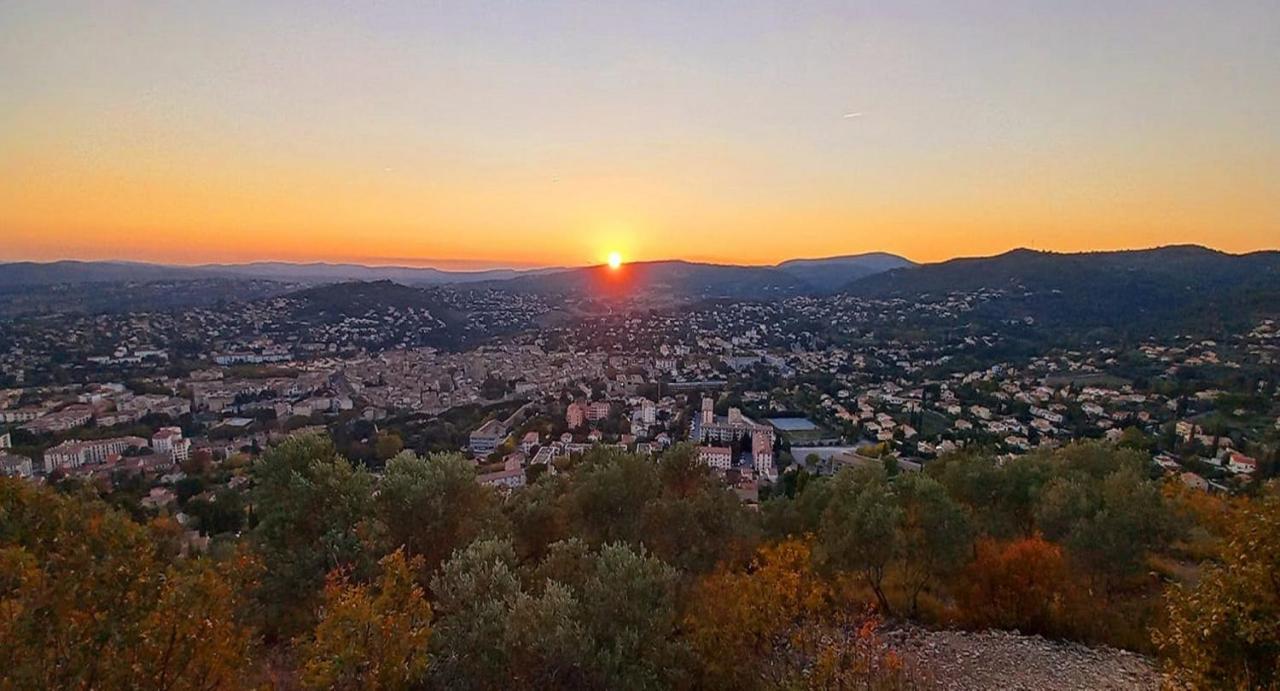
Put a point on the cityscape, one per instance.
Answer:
(828, 345)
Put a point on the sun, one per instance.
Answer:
(615, 260)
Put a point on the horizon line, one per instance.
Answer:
(484, 265)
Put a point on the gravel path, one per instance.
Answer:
(1013, 662)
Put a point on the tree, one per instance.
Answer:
(368, 637)
(432, 506)
(858, 531)
(590, 619)
(935, 535)
(1023, 584)
(741, 622)
(387, 445)
(610, 491)
(313, 510)
(629, 612)
(475, 593)
(90, 599)
(223, 513)
(1110, 525)
(1224, 632)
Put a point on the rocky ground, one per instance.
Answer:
(1010, 661)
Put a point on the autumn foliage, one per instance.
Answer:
(1022, 584)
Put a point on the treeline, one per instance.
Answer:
(623, 572)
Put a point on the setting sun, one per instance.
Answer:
(615, 260)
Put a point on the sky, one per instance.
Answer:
(528, 133)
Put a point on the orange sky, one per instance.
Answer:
(501, 134)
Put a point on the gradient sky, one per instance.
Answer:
(525, 133)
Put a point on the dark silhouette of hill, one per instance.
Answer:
(663, 279)
(72, 272)
(357, 298)
(693, 280)
(833, 273)
(1172, 284)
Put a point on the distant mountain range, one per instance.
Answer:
(72, 272)
(684, 280)
(677, 277)
(1107, 289)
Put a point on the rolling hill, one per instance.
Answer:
(662, 280)
(682, 280)
(833, 273)
(1140, 287)
(24, 274)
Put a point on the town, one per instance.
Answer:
(764, 390)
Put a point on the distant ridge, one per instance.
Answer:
(1100, 288)
(714, 280)
(73, 271)
(832, 273)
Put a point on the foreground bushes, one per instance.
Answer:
(621, 572)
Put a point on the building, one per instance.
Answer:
(598, 410)
(169, 440)
(63, 420)
(73, 454)
(20, 414)
(1241, 464)
(510, 477)
(762, 455)
(719, 457)
(13, 465)
(648, 412)
(1186, 430)
(529, 441)
(486, 439)
(725, 430)
(5, 441)
(575, 415)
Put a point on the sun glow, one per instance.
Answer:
(615, 260)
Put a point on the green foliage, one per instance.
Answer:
(610, 623)
(432, 506)
(858, 531)
(313, 510)
(934, 535)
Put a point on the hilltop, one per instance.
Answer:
(1122, 288)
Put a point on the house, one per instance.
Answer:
(1239, 463)
(528, 441)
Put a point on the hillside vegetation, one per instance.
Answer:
(623, 572)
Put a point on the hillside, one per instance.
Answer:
(832, 273)
(1138, 288)
(360, 297)
(677, 280)
(22, 274)
(27, 274)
